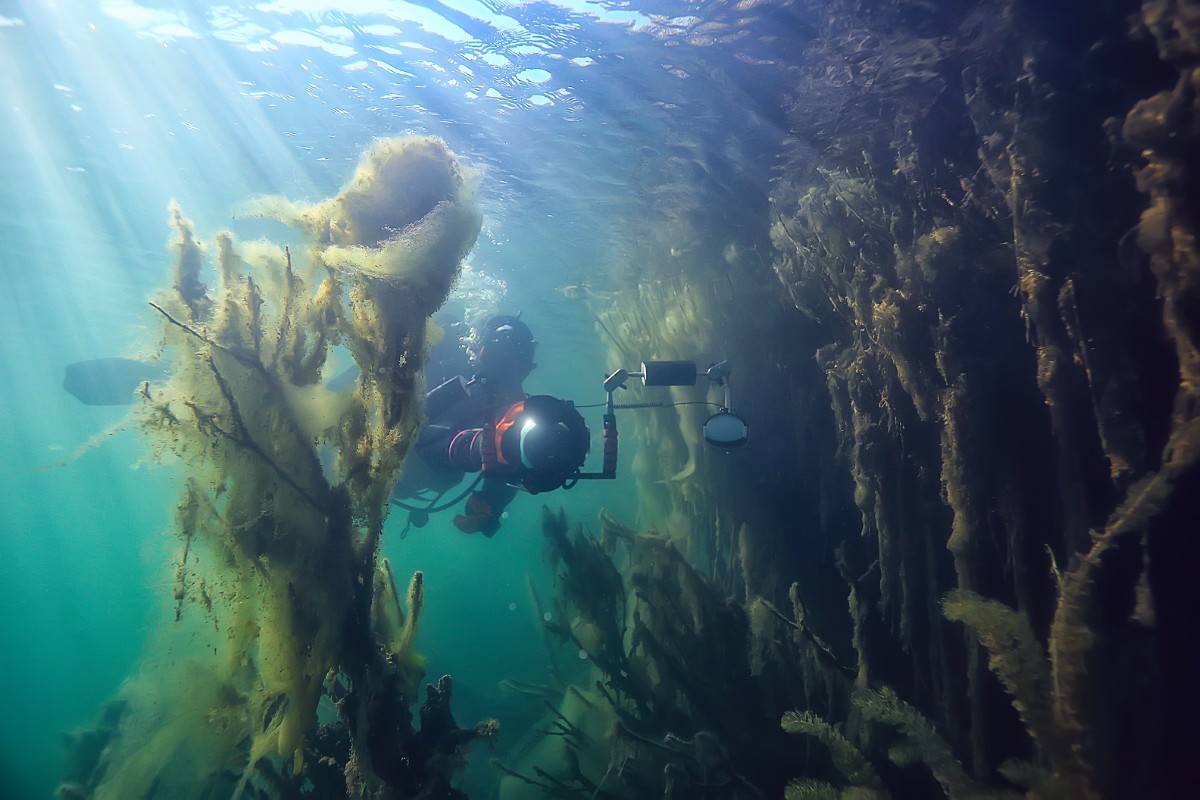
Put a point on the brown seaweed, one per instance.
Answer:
(289, 660)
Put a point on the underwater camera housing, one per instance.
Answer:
(724, 429)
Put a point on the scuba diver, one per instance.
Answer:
(489, 425)
(485, 425)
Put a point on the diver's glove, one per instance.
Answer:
(480, 517)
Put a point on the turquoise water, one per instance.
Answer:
(110, 110)
(911, 225)
(946, 247)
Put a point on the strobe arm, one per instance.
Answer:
(652, 373)
(609, 469)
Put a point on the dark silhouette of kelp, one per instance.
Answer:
(669, 706)
(976, 403)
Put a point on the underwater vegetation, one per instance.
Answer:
(964, 312)
(960, 298)
(288, 667)
(667, 706)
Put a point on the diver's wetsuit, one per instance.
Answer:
(450, 443)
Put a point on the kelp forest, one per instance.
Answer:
(964, 319)
(962, 307)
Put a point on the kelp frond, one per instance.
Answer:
(923, 744)
(847, 759)
(1014, 655)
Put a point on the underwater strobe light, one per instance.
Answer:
(724, 429)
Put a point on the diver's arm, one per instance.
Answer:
(451, 447)
(452, 437)
(464, 451)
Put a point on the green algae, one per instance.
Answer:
(289, 660)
